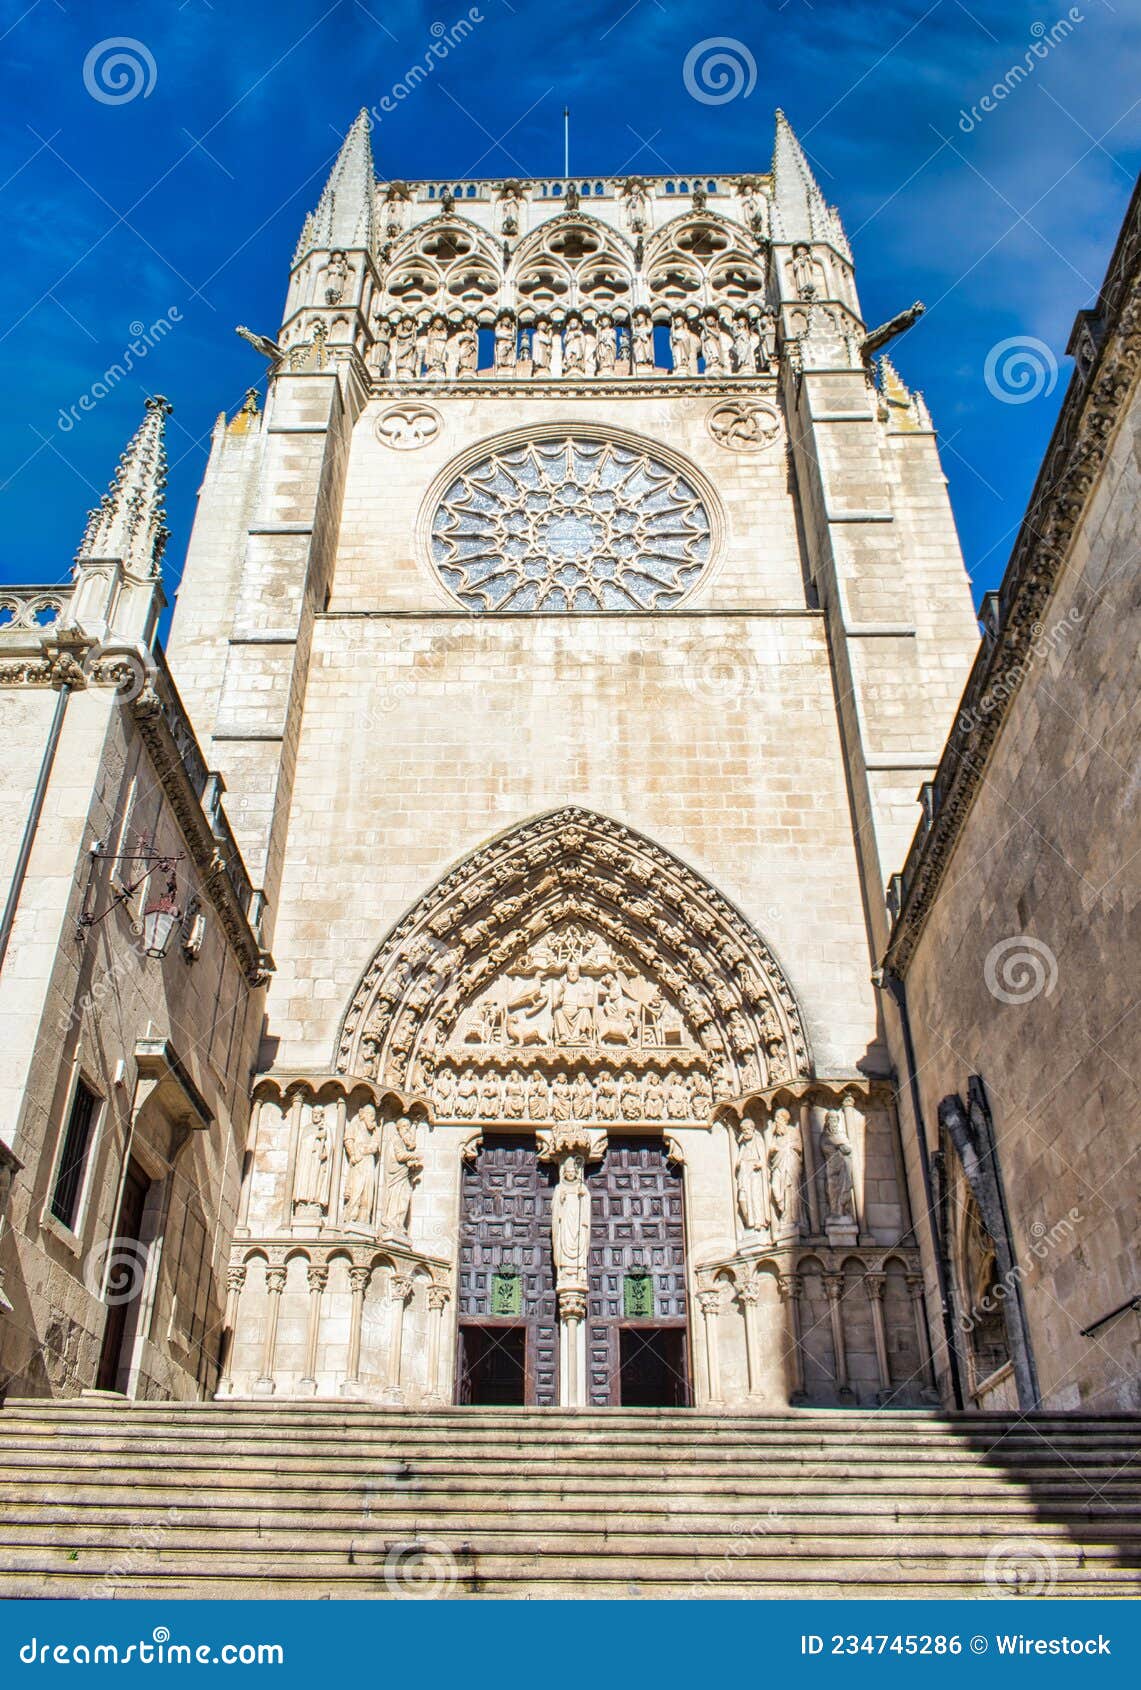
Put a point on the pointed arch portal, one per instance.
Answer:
(573, 969)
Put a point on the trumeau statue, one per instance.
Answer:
(836, 1150)
(570, 1226)
(402, 1168)
(362, 1146)
(314, 1165)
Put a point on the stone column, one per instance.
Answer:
(318, 1277)
(572, 1349)
(399, 1291)
(789, 1285)
(834, 1289)
(235, 1279)
(358, 1279)
(274, 1286)
(874, 1285)
(919, 1309)
(710, 1301)
(811, 1187)
(438, 1298)
(750, 1295)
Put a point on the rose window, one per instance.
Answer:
(570, 525)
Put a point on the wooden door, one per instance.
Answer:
(123, 1309)
(505, 1229)
(637, 1234)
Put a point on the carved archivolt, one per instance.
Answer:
(574, 971)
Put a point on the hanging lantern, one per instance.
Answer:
(160, 918)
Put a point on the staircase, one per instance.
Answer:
(108, 1498)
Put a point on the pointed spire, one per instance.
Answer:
(799, 209)
(130, 521)
(344, 216)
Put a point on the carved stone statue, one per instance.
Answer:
(654, 1098)
(574, 1001)
(406, 352)
(444, 1094)
(683, 347)
(463, 348)
(467, 1096)
(574, 347)
(362, 1145)
(314, 1166)
(784, 1168)
(514, 1096)
(538, 1106)
(381, 347)
(637, 208)
(336, 276)
(447, 202)
(712, 346)
(506, 336)
(677, 1098)
(570, 1226)
(836, 1151)
(806, 271)
(767, 330)
(490, 1101)
(542, 341)
(582, 1099)
(642, 340)
(510, 202)
(560, 1098)
(753, 208)
(606, 347)
(631, 1097)
(606, 1099)
(402, 1168)
(436, 347)
(571, 200)
(752, 1179)
(745, 341)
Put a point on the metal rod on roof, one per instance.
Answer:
(566, 141)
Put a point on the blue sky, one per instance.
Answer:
(185, 202)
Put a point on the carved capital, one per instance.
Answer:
(875, 1284)
(572, 1305)
(358, 1279)
(318, 1278)
(439, 1297)
(275, 1280)
(709, 1300)
(400, 1288)
(749, 1293)
(236, 1277)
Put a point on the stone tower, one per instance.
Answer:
(573, 632)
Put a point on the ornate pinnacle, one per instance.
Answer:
(129, 522)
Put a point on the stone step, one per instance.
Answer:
(645, 1532)
(185, 1490)
(194, 1500)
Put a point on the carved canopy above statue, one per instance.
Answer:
(573, 970)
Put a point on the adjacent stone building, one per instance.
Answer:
(570, 634)
(1014, 947)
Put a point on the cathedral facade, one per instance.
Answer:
(558, 656)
